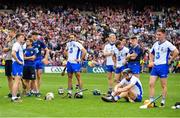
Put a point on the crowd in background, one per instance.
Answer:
(91, 28)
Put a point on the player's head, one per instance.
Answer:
(124, 41)
(34, 35)
(160, 34)
(12, 32)
(29, 42)
(72, 37)
(133, 41)
(119, 44)
(20, 37)
(112, 38)
(127, 73)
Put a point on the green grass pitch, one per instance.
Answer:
(89, 106)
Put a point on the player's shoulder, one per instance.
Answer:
(126, 49)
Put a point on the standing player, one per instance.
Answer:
(76, 53)
(120, 59)
(8, 63)
(108, 53)
(17, 65)
(159, 60)
(134, 56)
(29, 65)
(129, 88)
(38, 45)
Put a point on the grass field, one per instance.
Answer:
(89, 106)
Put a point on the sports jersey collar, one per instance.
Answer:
(161, 42)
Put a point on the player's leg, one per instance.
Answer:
(70, 76)
(164, 90)
(39, 78)
(117, 75)
(152, 82)
(8, 71)
(15, 87)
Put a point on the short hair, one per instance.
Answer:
(18, 35)
(30, 39)
(162, 30)
(34, 33)
(117, 43)
(12, 29)
(121, 38)
(112, 34)
(133, 37)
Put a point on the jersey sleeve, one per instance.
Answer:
(133, 80)
(79, 45)
(15, 47)
(171, 46)
(123, 81)
(105, 48)
(152, 51)
(43, 45)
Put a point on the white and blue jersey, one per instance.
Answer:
(38, 45)
(120, 59)
(28, 52)
(109, 61)
(161, 54)
(17, 69)
(134, 64)
(74, 53)
(137, 88)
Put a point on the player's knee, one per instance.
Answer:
(151, 84)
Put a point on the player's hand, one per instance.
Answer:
(45, 61)
(20, 62)
(151, 64)
(78, 60)
(124, 62)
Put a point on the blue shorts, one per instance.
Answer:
(138, 98)
(120, 69)
(109, 68)
(73, 67)
(39, 64)
(160, 71)
(17, 69)
(135, 67)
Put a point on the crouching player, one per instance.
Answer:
(129, 88)
(29, 66)
(119, 59)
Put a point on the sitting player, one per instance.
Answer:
(129, 88)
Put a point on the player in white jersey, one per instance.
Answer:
(17, 64)
(108, 53)
(76, 53)
(129, 88)
(120, 59)
(159, 60)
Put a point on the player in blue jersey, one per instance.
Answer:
(17, 65)
(134, 56)
(129, 88)
(76, 53)
(29, 74)
(38, 46)
(159, 60)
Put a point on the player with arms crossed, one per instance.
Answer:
(17, 65)
(75, 53)
(108, 53)
(39, 45)
(134, 56)
(29, 74)
(129, 88)
(120, 59)
(159, 55)
(10, 40)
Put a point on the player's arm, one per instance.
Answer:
(151, 57)
(175, 53)
(5, 49)
(84, 52)
(46, 53)
(119, 85)
(126, 88)
(15, 57)
(114, 59)
(30, 57)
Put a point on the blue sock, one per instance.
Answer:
(116, 98)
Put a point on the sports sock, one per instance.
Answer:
(70, 91)
(14, 97)
(151, 99)
(116, 98)
(163, 100)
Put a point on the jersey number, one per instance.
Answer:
(157, 55)
(119, 58)
(71, 50)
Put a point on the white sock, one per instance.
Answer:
(163, 100)
(70, 91)
(80, 93)
(14, 97)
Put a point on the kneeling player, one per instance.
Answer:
(129, 88)
(29, 66)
